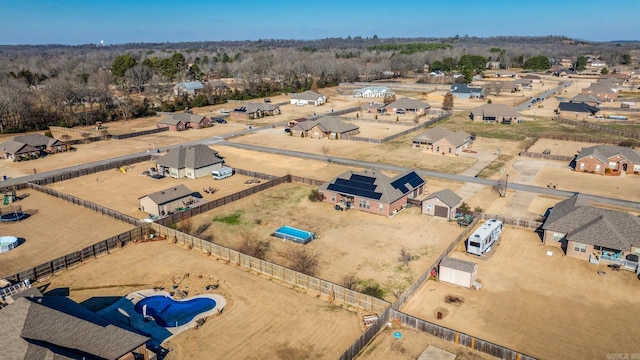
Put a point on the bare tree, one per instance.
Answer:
(253, 246)
(303, 260)
(350, 281)
(405, 257)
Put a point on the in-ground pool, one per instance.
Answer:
(7, 243)
(293, 234)
(168, 312)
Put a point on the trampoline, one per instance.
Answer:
(7, 243)
(12, 214)
(293, 234)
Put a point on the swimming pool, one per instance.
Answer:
(7, 243)
(168, 312)
(293, 234)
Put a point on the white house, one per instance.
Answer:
(308, 98)
(373, 92)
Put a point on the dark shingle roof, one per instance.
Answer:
(458, 264)
(464, 89)
(307, 95)
(604, 152)
(14, 147)
(191, 157)
(577, 107)
(374, 185)
(446, 196)
(587, 224)
(410, 104)
(326, 124)
(494, 110)
(170, 194)
(33, 330)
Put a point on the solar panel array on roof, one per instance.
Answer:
(361, 178)
(411, 178)
(357, 185)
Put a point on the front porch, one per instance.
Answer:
(613, 257)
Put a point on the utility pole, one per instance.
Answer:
(506, 186)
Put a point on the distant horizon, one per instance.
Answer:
(118, 22)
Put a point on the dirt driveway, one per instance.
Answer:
(532, 302)
(262, 319)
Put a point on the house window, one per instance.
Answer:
(449, 150)
(381, 207)
(580, 247)
(558, 236)
(581, 166)
(428, 206)
(612, 164)
(636, 168)
(333, 197)
(438, 149)
(598, 168)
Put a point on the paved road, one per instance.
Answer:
(343, 161)
(527, 104)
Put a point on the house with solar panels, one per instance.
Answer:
(372, 191)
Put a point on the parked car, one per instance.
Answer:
(338, 207)
(400, 112)
(299, 103)
(287, 130)
(219, 120)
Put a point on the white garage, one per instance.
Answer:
(458, 272)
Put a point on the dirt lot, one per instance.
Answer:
(54, 228)
(532, 302)
(411, 345)
(351, 242)
(559, 147)
(262, 319)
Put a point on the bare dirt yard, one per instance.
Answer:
(262, 319)
(350, 242)
(559, 147)
(545, 306)
(54, 228)
(411, 345)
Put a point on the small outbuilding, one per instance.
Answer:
(166, 201)
(443, 203)
(457, 271)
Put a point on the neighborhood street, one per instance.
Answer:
(545, 95)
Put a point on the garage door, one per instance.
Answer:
(442, 211)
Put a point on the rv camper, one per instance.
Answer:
(223, 172)
(481, 240)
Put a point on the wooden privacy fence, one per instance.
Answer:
(87, 204)
(537, 155)
(139, 133)
(508, 221)
(275, 271)
(459, 338)
(397, 135)
(64, 262)
(588, 125)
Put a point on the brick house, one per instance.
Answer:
(372, 191)
(254, 111)
(183, 121)
(590, 233)
(328, 127)
(31, 145)
(441, 140)
(596, 159)
(166, 201)
(409, 106)
(494, 113)
(443, 203)
(605, 91)
(576, 110)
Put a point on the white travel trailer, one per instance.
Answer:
(481, 240)
(223, 172)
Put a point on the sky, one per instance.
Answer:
(74, 22)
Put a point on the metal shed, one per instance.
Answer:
(458, 272)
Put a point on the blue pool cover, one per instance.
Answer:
(293, 234)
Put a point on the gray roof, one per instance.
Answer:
(383, 189)
(458, 264)
(587, 224)
(410, 104)
(36, 140)
(15, 147)
(604, 152)
(174, 119)
(32, 329)
(375, 90)
(584, 98)
(328, 124)
(170, 194)
(307, 95)
(494, 110)
(191, 157)
(465, 89)
(446, 196)
(255, 107)
(601, 88)
(438, 133)
(191, 85)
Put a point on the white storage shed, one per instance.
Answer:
(458, 272)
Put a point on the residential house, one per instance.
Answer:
(167, 201)
(604, 91)
(443, 203)
(30, 146)
(492, 65)
(524, 83)
(308, 98)
(596, 159)
(183, 121)
(56, 327)
(441, 140)
(505, 74)
(494, 113)
(571, 110)
(254, 111)
(373, 92)
(294, 122)
(588, 99)
(327, 127)
(464, 91)
(563, 72)
(408, 106)
(188, 88)
(372, 191)
(191, 162)
(590, 233)
(533, 78)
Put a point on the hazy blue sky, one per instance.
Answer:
(118, 21)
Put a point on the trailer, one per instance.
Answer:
(486, 235)
(223, 172)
